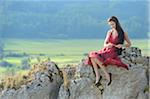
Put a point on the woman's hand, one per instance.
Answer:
(122, 46)
(128, 45)
(109, 45)
(119, 45)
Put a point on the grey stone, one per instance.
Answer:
(40, 88)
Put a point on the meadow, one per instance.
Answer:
(61, 51)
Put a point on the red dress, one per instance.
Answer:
(107, 55)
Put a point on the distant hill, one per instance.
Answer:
(70, 19)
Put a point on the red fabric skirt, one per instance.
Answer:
(108, 56)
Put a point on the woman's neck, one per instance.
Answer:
(114, 31)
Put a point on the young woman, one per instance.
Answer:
(113, 44)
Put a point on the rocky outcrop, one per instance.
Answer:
(126, 84)
(45, 85)
(80, 87)
(78, 81)
(130, 84)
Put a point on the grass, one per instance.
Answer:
(14, 60)
(143, 44)
(59, 50)
(50, 47)
(62, 52)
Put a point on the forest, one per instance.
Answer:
(67, 19)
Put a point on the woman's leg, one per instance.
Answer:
(95, 70)
(96, 61)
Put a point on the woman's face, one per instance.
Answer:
(112, 24)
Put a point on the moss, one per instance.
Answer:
(147, 89)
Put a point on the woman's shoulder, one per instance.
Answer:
(110, 31)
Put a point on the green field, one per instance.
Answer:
(63, 52)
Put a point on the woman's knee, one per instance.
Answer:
(97, 61)
(92, 58)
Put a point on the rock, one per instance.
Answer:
(45, 85)
(141, 95)
(133, 57)
(70, 70)
(126, 84)
(82, 86)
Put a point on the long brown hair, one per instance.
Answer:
(118, 28)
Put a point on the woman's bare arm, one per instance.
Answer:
(106, 39)
(106, 42)
(128, 42)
